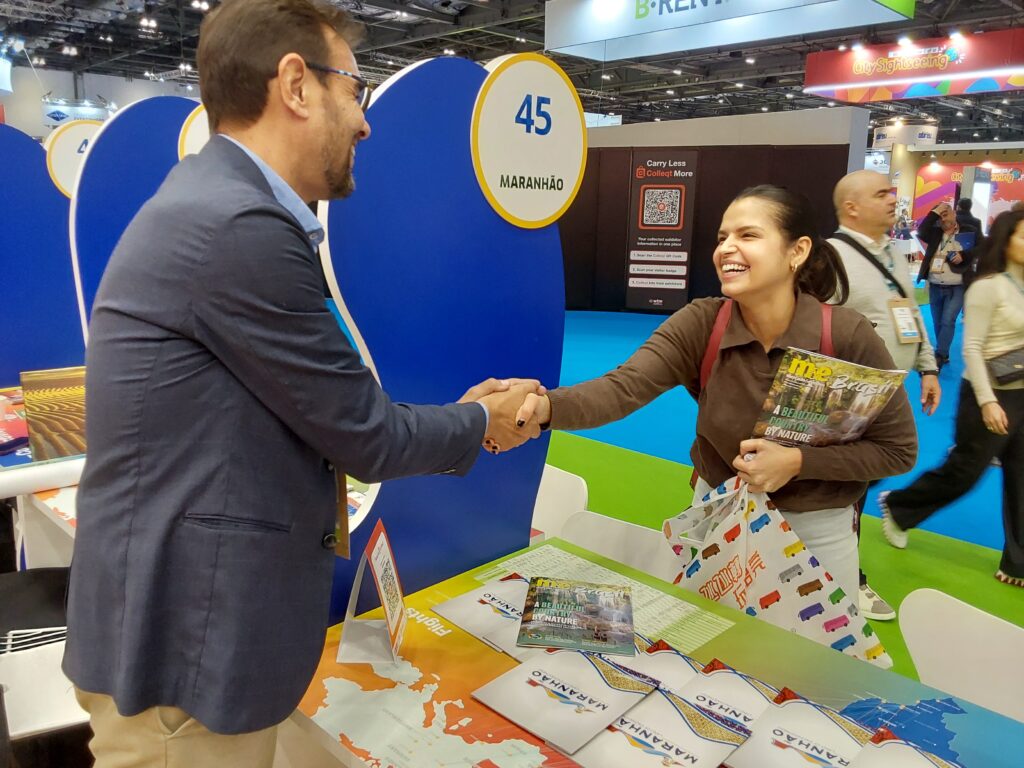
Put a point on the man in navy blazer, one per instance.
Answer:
(221, 396)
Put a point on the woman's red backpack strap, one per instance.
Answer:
(722, 322)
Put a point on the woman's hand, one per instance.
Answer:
(766, 466)
(535, 409)
(995, 418)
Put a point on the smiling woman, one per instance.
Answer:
(775, 272)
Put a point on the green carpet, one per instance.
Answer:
(645, 490)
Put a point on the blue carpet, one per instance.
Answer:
(596, 342)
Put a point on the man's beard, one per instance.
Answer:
(337, 172)
(338, 175)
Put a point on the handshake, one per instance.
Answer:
(517, 408)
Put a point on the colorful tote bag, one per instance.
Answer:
(751, 559)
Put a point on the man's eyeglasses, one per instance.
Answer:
(364, 90)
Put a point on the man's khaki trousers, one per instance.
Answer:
(167, 737)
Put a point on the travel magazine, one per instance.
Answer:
(578, 615)
(818, 400)
(55, 412)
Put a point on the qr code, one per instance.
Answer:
(662, 207)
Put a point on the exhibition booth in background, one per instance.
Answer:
(633, 228)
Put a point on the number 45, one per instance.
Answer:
(525, 116)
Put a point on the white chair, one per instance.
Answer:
(644, 549)
(964, 651)
(561, 495)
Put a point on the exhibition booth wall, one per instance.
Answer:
(727, 154)
(595, 230)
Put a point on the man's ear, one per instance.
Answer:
(292, 85)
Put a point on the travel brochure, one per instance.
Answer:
(794, 730)
(13, 429)
(818, 400)
(661, 662)
(55, 412)
(560, 613)
(495, 607)
(565, 698)
(659, 707)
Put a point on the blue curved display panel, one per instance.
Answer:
(41, 328)
(444, 293)
(126, 163)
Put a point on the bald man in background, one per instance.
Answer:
(866, 208)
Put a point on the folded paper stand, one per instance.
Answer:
(374, 641)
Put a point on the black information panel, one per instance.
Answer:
(660, 228)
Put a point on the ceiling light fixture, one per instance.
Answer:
(905, 42)
(670, 92)
(842, 46)
(606, 77)
(750, 60)
(677, 72)
(789, 96)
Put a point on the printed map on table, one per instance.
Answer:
(407, 715)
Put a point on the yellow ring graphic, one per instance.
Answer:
(481, 99)
(201, 109)
(52, 141)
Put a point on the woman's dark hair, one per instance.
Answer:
(993, 253)
(822, 275)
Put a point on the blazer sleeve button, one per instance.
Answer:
(329, 541)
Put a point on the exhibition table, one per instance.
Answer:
(419, 711)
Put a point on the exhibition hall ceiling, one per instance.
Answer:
(158, 40)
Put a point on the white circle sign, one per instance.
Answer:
(529, 139)
(65, 150)
(195, 132)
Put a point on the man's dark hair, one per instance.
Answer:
(965, 204)
(241, 43)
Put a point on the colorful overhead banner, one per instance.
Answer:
(940, 66)
(937, 182)
(608, 30)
